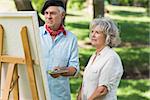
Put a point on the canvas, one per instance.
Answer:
(12, 23)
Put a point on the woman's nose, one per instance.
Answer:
(93, 33)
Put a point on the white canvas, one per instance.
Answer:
(12, 23)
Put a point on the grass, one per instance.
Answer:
(134, 90)
(134, 50)
(134, 32)
(128, 89)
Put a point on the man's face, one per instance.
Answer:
(53, 17)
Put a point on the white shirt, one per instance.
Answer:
(105, 70)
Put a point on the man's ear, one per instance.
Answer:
(63, 15)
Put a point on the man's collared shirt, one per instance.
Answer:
(62, 52)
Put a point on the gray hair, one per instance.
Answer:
(61, 9)
(109, 28)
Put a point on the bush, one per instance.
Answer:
(76, 4)
(138, 3)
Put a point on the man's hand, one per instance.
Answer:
(55, 75)
(63, 71)
(71, 71)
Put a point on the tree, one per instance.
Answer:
(25, 5)
(98, 8)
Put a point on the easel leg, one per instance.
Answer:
(16, 86)
(1, 48)
(29, 63)
(1, 41)
(8, 81)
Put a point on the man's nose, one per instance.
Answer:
(49, 16)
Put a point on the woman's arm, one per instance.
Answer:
(100, 91)
(79, 94)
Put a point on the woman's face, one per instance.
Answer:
(97, 37)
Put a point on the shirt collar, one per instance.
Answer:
(102, 51)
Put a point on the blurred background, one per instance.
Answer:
(133, 20)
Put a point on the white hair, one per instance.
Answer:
(109, 28)
(61, 9)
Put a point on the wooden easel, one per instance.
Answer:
(12, 72)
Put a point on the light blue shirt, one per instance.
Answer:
(63, 52)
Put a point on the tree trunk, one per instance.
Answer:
(90, 8)
(25, 5)
(98, 6)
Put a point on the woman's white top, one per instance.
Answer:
(105, 70)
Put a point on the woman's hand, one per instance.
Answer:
(79, 97)
(100, 91)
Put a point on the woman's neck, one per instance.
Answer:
(99, 49)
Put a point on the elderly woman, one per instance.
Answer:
(104, 69)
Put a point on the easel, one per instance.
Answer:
(12, 72)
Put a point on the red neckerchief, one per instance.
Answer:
(55, 33)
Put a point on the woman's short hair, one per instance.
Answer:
(109, 28)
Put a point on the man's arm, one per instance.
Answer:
(100, 91)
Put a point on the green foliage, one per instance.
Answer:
(76, 4)
(37, 4)
(142, 3)
(84, 57)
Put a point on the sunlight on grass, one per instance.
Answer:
(132, 89)
(130, 14)
(78, 16)
(78, 23)
(134, 58)
(128, 89)
(130, 18)
(125, 8)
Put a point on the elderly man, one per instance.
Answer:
(59, 50)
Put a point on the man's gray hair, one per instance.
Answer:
(61, 9)
(109, 28)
